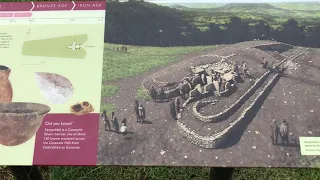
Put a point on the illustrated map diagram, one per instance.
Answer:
(60, 47)
(74, 46)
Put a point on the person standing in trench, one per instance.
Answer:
(106, 121)
(115, 122)
(142, 113)
(284, 132)
(274, 132)
(136, 109)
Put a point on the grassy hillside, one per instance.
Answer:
(308, 6)
(253, 12)
(201, 5)
(250, 7)
(194, 5)
(138, 59)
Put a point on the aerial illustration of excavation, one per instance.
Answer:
(234, 94)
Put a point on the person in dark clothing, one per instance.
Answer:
(264, 63)
(162, 94)
(136, 109)
(153, 94)
(106, 121)
(284, 132)
(220, 82)
(124, 121)
(142, 113)
(177, 104)
(274, 132)
(173, 110)
(115, 123)
(223, 85)
(184, 89)
(235, 68)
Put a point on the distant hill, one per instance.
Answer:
(237, 8)
(177, 6)
(200, 5)
(298, 5)
(185, 8)
(249, 7)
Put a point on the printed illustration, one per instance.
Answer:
(81, 108)
(5, 85)
(20, 121)
(209, 84)
(55, 88)
(60, 47)
(50, 61)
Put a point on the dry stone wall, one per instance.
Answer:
(215, 140)
(234, 107)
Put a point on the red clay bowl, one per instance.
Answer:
(20, 121)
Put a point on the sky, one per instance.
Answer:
(225, 1)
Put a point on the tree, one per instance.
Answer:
(292, 33)
(261, 31)
(237, 31)
(215, 34)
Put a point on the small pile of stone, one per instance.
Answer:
(291, 66)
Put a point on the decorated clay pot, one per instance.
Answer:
(5, 85)
(20, 121)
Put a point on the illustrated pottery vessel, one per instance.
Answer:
(20, 121)
(5, 85)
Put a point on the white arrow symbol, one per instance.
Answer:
(32, 6)
(74, 5)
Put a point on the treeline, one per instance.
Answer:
(147, 24)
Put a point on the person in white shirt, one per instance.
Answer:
(123, 130)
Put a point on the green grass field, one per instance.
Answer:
(138, 59)
(119, 65)
(166, 173)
